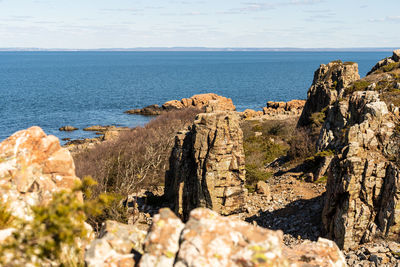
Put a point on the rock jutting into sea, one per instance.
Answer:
(201, 101)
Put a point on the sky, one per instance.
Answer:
(88, 24)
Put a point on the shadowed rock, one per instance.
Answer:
(207, 166)
(329, 81)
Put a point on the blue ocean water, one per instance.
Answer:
(52, 89)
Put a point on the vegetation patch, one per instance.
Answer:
(57, 233)
(390, 67)
(137, 159)
(357, 86)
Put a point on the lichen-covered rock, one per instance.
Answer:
(322, 253)
(207, 167)
(212, 240)
(363, 181)
(209, 239)
(32, 167)
(115, 245)
(208, 102)
(329, 81)
(162, 242)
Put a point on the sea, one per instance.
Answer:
(53, 89)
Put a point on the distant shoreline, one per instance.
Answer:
(201, 49)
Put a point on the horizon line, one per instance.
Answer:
(199, 49)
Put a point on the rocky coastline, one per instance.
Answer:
(337, 204)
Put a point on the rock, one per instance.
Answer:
(363, 181)
(207, 167)
(321, 253)
(208, 239)
(162, 242)
(263, 189)
(293, 107)
(329, 80)
(210, 102)
(116, 246)
(68, 128)
(32, 167)
(384, 62)
(249, 113)
(110, 135)
(396, 55)
(100, 128)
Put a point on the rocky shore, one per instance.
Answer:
(338, 206)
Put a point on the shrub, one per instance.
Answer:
(390, 66)
(357, 86)
(301, 145)
(6, 218)
(56, 233)
(137, 159)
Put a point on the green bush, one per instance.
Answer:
(357, 86)
(390, 66)
(6, 218)
(55, 235)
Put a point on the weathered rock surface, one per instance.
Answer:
(162, 241)
(32, 167)
(212, 102)
(116, 246)
(394, 58)
(207, 167)
(68, 128)
(329, 81)
(293, 107)
(208, 239)
(363, 181)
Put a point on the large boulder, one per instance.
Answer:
(117, 245)
(208, 239)
(32, 167)
(329, 81)
(211, 102)
(363, 187)
(207, 167)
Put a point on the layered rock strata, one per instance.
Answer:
(201, 101)
(329, 81)
(207, 167)
(363, 191)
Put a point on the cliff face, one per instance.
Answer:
(207, 167)
(362, 199)
(363, 186)
(329, 80)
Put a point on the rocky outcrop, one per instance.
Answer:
(208, 239)
(363, 192)
(329, 81)
(207, 167)
(68, 128)
(32, 167)
(293, 107)
(211, 101)
(384, 62)
(117, 245)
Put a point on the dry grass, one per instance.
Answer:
(138, 159)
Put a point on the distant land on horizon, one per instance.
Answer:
(199, 49)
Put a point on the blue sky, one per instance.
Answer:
(206, 23)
